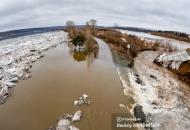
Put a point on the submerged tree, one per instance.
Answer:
(70, 28)
(79, 40)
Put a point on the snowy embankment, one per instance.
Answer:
(164, 98)
(173, 60)
(175, 44)
(18, 54)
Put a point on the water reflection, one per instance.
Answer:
(57, 80)
(80, 54)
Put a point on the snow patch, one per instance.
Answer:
(173, 60)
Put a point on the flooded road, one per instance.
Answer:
(57, 80)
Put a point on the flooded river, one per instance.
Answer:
(57, 80)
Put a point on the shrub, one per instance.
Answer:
(121, 41)
(78, 40)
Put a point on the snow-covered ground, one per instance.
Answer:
(173, 60)
(17, 54)
(165, 98)
(149, 37)
(160, 92)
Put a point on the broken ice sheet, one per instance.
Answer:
(65, 123)
(84, 99)
(77, 116)
(18, 54)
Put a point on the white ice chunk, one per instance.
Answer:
(77, 116)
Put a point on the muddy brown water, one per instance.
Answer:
(57, 80)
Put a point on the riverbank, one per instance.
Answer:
(163, 92)
(18, 54)
(174, 35)
(174, 44)
(164, 98)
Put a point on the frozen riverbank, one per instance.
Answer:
(18, 54)
(165, 99)
(179, 45)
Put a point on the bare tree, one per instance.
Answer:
(87, 23)
(90, 26)
(70, 27)
(70, 24)
(88, 31)
(92, 22)
(116, 25)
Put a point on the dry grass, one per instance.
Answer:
(122, 41)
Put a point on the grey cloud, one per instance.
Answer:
(158, 14)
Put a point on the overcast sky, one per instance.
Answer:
(156, 14)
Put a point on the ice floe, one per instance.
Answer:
(18, 54)
(65, 123)
(84, 99)
(173, 60)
